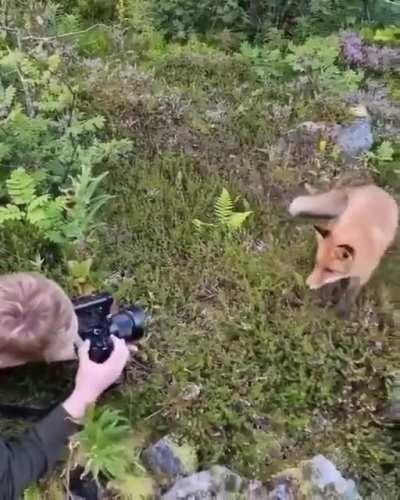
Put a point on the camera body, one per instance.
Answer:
(97, 324)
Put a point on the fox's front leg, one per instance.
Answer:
(348, 298)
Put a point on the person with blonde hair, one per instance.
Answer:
(38, 323)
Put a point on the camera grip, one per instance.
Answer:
(99, 354)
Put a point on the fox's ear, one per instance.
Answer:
(323, 232)
(344, 252)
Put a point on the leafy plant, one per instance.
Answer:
(383, 161)
(69, 217)
(317, 61)
(101, 448)
(389, 34)
(41, 126)
(32, 493)
(82, 205)
(80, 272)
(225, 215)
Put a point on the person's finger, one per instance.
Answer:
(132, 348)
(84, 349)
(120, 351)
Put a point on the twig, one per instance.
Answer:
(46, 38)
(25, 87)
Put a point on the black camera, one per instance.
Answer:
(96, 323)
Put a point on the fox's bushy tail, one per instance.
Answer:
(322, 206)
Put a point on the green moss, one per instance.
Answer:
(186, 454)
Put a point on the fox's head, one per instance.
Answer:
(333, 261)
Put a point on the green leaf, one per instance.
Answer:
(102, 445)
(10, 213)
(80, 269)
(7, 96)
(21, 187)
(223, 206)
(385, 152)
(388, 34)
(236, 220)
(199, 225)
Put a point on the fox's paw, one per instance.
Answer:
(296, 206)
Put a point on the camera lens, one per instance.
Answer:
(128, 324)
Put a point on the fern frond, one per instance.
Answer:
(10, 213)
(21, 187)
(7, 96)
(90, 125)
(223, 208)
(236, 220)
(385, 151)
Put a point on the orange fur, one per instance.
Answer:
(361, 223)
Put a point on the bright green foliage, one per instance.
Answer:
(388, 35)
(102, 446)
(385, 151)
(68, 217)
(80, 273)
(43, 130)
(33, 493)
(317, 59)
(225, 215)
(384, 163)
(316, 63)
(44, 213)
(83, 203)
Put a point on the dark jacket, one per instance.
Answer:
(25, 460)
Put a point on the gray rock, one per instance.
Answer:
(218, 483)
(283, 491)
(355, 139)
(195, 487)
(168, 459)
(315, 479)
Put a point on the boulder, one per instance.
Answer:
(218, 483)
(315, 479)
(168, 460)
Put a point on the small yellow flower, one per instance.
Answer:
(322, 145)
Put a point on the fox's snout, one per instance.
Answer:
(315, 280)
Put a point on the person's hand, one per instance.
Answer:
(92, 379)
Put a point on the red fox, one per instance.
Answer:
(360, 224)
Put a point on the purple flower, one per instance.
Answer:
(356, 53)
(352, 48)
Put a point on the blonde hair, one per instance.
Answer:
(33, 310)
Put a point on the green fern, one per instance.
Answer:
(10, 213)
(21, 187)
(66, 218)
(7, 96)
(225, 215)
(223, 207)
(385, 152)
